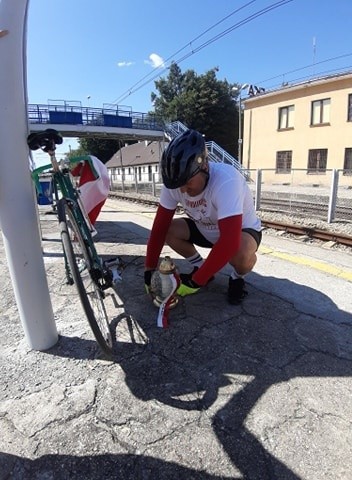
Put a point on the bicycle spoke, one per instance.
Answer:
(86, 275)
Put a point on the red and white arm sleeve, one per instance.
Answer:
(157, 237)
(223, 250)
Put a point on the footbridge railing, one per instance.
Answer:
(216, 153)
(69, 113)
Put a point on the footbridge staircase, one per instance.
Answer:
(216, 153)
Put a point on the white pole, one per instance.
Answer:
(333, 195)
(240, 128)
(18, 221)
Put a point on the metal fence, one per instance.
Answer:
(294, 195)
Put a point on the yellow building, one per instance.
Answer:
(299, 134)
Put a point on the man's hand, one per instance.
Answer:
(147, 280)
(188, 286)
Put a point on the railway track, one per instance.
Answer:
(293, 229)
(313, 233)
(318, 210)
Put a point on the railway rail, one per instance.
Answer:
(313, 233)
(298, 230)
(318, 210)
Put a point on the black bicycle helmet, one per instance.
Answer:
(184, 157)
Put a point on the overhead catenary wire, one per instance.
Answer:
(146, 80)
(137, 86)
(304, 68)
(127, 92)
(306, 78)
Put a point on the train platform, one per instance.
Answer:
(260, 391)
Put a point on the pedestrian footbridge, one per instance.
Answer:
(113, 122)
(73, 120)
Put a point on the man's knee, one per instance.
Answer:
(245, 258)
(178, 230)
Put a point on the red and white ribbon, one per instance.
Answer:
(163, 315)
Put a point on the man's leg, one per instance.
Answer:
(178, 238)
(183, 234)
(245, 258)
(243, 262)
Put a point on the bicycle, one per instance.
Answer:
(83, 266)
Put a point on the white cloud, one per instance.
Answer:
(125, 64)
(155, 60)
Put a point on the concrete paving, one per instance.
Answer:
(258, 391)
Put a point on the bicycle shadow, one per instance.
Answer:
(267, 342)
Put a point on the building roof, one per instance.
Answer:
(141, 153)
(327, 79)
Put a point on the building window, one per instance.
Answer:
(320, 113)
(286, 117)
(349, 112)
(317, 160)
(347, 164)
(284, 161)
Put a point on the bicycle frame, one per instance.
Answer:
(84, 267)
(63, 183)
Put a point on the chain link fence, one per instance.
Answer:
(297, 193)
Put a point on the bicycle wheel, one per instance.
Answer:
(84, 275)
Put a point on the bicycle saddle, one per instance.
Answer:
(45, 140)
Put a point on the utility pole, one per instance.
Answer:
(240, 140)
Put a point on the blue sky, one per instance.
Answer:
(110, 51)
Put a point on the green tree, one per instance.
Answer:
(102, 148)
(201, 102)
(76, 152)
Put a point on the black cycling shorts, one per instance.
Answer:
(198, 239)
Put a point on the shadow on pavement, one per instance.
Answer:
(121, 232)
(92, 467)
(268, 341)
(265, 342)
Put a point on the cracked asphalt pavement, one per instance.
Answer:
(260, 391)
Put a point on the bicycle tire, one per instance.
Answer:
(80, 264)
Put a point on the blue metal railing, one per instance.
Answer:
(72, 113)
(175, 128)
(216, 153)
(77, 115)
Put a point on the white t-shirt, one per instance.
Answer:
(226, 194)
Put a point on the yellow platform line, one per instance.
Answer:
(317, 265)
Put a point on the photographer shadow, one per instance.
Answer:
(230, 361)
